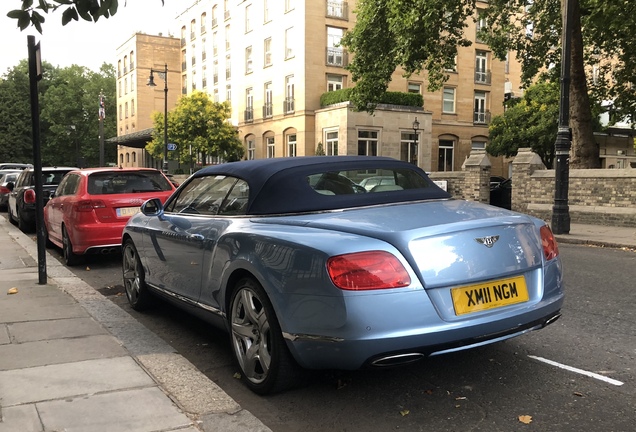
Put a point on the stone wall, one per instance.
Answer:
(598, 196)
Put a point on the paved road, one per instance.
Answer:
(486, 389)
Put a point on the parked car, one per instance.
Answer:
(370, 182)
(12, 165)
(501, 193)
(90, 207)
(305, 279)
(6, 176)
(22, 199)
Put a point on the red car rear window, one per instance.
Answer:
(117, 182)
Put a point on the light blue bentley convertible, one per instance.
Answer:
(305, 268)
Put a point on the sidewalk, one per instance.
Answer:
(71, 360)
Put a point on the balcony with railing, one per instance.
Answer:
(481, 117)
(248, 115)
(268, 110)
(337, 9)
(288, 105)
(215, 22)
(132, 65)
(184, 66)
(226, 15)
(192, 35)
(336, 57)
(184, 90)
(203, 29)
(183, 42)
(483, 77)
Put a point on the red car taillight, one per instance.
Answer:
(550, 247)
(4, 190)
(29, 196)
(367, 271)
(88, 205)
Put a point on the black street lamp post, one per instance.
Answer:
(151, 83)
(561, 210)
(416, 127)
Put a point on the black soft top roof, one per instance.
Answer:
(279, 185)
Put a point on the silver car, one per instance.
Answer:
(306, 271)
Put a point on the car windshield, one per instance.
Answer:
(117, 182)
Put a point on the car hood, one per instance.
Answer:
(445, 241)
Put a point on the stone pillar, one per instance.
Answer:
(525, 163)
(477, 179)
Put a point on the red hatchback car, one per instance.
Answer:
(90, 208)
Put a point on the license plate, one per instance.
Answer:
(489, 295)
(127, 211)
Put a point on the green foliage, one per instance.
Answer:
(199, 122)
(88, 10)
(69, 123)
(530, 121)
(390, 98)
(416, 35)
(320, 150)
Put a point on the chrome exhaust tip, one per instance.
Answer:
(398, 359)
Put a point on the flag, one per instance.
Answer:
(102, 109)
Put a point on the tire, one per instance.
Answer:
(70, 258)
(134, 277)
(257, 341)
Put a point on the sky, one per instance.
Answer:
(82, 42)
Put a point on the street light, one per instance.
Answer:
(151, 83)
(416, 127)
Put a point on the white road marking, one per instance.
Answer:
(579, 371)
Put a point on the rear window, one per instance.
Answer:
(117, 182)
(365, 181)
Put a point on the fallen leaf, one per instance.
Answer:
(88, 268)
(405, 412)
(237, 375)
(13, 290)
(461, 398)
(525, 419)
(578, 394)
(429, 391)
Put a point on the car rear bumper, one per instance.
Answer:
(96, 238)
(368, 345)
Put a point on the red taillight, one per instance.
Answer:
(367, 271)
(29, 196)
(88, 205)
(550, 247)
(4, 190)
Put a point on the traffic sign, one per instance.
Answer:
(171, 146)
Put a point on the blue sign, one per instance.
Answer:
(171, 146)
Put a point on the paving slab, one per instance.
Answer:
(138, 410)
(53, 329)
(36, 384)
(23, 418)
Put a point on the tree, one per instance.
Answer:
(530, 121)
(15, 115)
(425, 34)
(89, 10)
(199, 122)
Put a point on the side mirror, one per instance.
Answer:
(11, 186)
(152, 207)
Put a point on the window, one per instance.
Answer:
(331, 143)
(268, 108)
(478, 145)
(125, 85)
(289, 94)
(289, 43)
(228, 67)
(367, 143)
(248, 18)
(126, 109)
(267, 50)
(228, 93)
(203, 17)
(408, 147)
(215, 18)
(132, 83)
(335, 54)
(121, 113)
(449, 100)
(215, 72)
(480, 115)
(291, 145)
(192, 28)
(119, 88)
(336, 8)
(289, 5)
(445, 162)
(132, 108)
(249, 105)
(271, 151)
(248, 60)
(251, 147)
(209, 196)
(226, 9)
(227, 37)
(334, 82)
(194, 80)
(215, 44)
(481, 24)
(215, 95)
(414, 87)
(482, 75)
